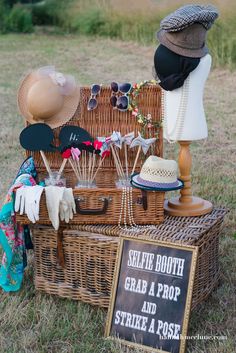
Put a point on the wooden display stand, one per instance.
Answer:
(186, 205)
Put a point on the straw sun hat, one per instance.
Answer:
(157, 174)
(48, 96)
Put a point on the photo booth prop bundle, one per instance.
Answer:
(102, 204)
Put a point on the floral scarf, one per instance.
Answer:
(12, 234)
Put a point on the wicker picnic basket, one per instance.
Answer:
(102, 204)
(89, 253)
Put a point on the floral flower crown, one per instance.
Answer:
(144, 120)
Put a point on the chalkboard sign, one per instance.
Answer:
(151, 296)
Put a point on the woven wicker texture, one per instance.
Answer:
(101, 122)
(104, 119)
(90, 254)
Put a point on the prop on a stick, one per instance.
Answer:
(115, 142)
(71, 135)
(127, 139)
(83, 159)
(143, 144)
(38, 137)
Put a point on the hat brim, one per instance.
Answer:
(155, 187)
(67, 111)
(191, 53)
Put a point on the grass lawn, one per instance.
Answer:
(38, 323)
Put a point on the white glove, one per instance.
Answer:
(20, 200)
(67, 205)
(33, 196)
(54, 196)
(28, 201)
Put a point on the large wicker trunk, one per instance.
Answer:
(104, 201)
(90, 255)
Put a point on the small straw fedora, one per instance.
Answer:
(157, 174)
(48, 96)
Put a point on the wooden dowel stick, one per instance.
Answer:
(75, 171)
(93, 163)
(79, 169)
(99, 166)
(119, 162)
(61, 168)
(116, 162)
(83, 171)
(85, 166)
(45, 161)
(136, 159)
(89, 168)
(126, 162)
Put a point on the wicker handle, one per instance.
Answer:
(92, 211)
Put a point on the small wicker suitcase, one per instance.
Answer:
(102, 204)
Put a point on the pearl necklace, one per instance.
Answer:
(126, 209)
(179, 124)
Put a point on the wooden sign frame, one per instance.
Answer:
(187, 308)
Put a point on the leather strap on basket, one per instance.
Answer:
(60, 253)
(144, 199)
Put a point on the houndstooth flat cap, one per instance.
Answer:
(188, 15)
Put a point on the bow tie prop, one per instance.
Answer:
(144, 145)
(127, 140)
(71, 154)
(115, 140)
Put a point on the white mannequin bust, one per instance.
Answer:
(193, 118)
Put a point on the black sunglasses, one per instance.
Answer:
(120, 102)
(93, 103)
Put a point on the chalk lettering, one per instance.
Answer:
(168, 330)
(164, 291)
(135, 285)
(134, 321)
(152, 326)
(169, 265)
(151, 290)
(142, 260)
(149, 308)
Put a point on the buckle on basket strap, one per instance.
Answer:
(93, 211)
